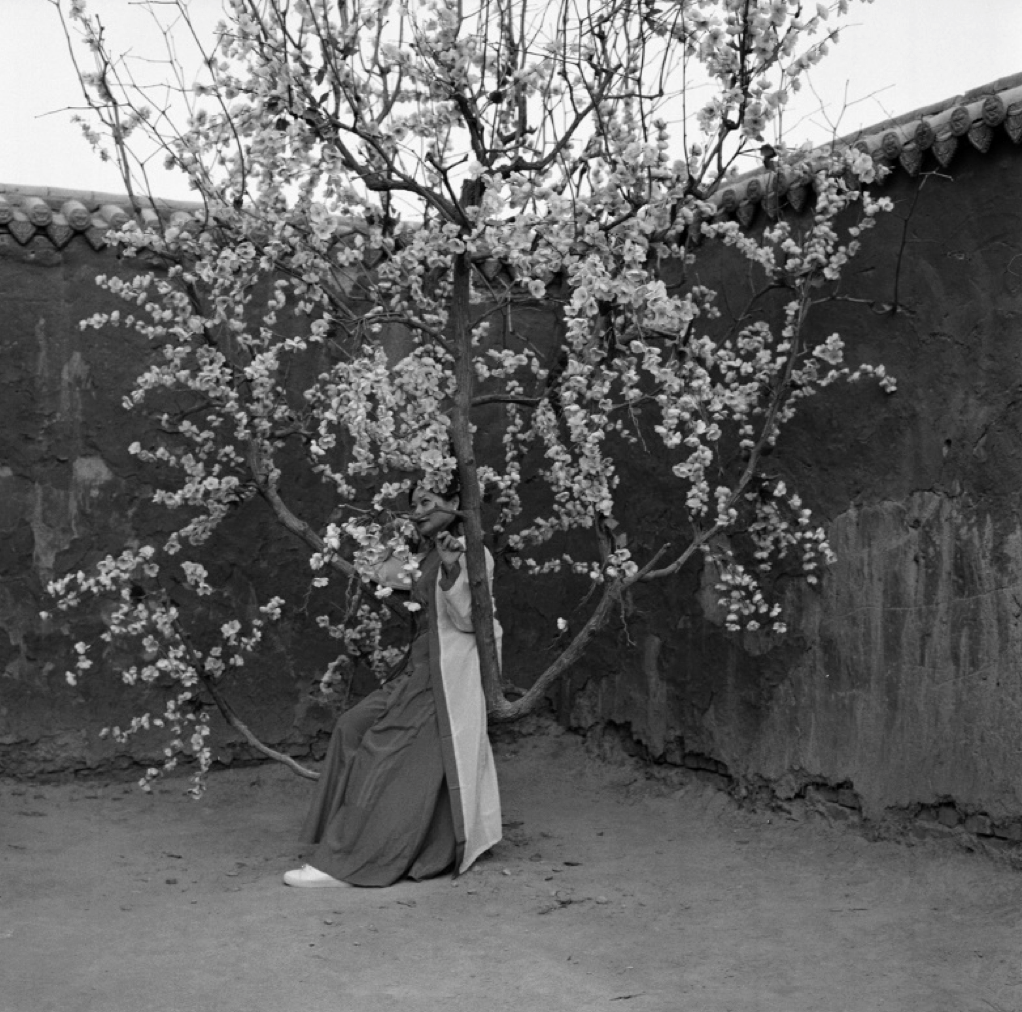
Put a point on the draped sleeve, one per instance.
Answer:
(456, 594)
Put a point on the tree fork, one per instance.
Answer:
(571, 653)
(497, 705)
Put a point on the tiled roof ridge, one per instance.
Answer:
(60, 214)
(901, 142)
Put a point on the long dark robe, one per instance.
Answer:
(397, 796)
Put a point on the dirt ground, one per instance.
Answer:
(610, 887)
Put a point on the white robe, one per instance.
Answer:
(461, 710)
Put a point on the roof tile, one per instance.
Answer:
(1013, 124)
(20, 227)
(944, 149)
(981, 136)
(924, 136)
(77, 214)
(59, 232)
(38, 211)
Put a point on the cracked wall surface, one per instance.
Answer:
(901, 675)
(900, 680)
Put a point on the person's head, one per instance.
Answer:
(433, 512)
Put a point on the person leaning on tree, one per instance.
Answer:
(408, 787)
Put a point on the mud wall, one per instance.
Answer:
(900, 680)
(70, 494)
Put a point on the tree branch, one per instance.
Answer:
(239, 725)
(507, 711)
(529, 402)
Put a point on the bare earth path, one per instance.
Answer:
(611, 891)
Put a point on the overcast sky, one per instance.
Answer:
(896, 56)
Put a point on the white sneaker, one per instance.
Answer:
(310, 878)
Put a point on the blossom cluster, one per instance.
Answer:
(389, 193)
(143, 619)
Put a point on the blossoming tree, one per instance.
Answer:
(387, 186)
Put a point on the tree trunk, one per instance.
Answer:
(471, 501)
